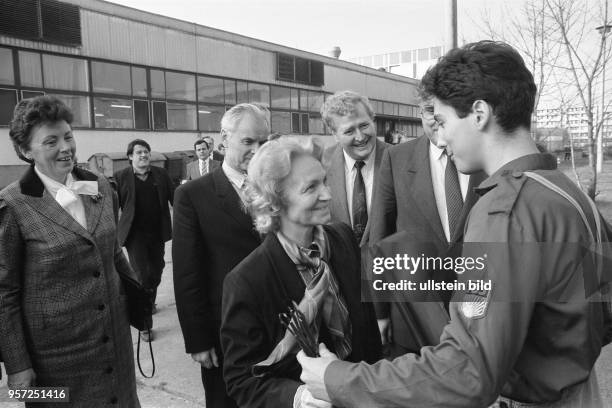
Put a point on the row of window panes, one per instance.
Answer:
(109, 78)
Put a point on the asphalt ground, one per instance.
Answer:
(177, 382)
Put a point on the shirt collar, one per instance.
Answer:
(236, 177)
(535, 161)
(51, 185)
(350, 162)
(435, 151)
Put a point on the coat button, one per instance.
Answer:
(96, 274)
(101, 307)
(108, 370)
(114, 400)
(105, 339)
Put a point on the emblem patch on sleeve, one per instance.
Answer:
(475, 304)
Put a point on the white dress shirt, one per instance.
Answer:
(74, 207)
(236, 178)
(437, 162)
(350, 173)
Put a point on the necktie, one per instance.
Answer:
(359, 206)
(202, 168)
(454, 199)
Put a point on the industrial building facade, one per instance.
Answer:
(127, 73)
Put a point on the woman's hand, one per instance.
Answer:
(22, 379)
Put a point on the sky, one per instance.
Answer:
(358, 27)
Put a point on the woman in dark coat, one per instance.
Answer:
(303, 260)
(63, 319)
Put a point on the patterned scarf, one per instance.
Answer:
(322, 301)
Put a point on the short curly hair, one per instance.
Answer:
(32, 112)
(267, 170)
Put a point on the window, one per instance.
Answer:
(158, 84)
(160, 119)
(111, 78)
(296, 69)
(295, 123)
(8, 100)
(423, 54)
(242, 94)
(7, 76)
(435, 52)
(30, 94)
(180, 86)
(209, 117)
(406, 56)
(404, 110)
(378, 60)
(394, 58)
(65, 73)
(210, 90)
(181, 116)
(230, 91)
(141, 114)
(303, 99)
(305, 123)
(139, 82)
(113, 113)
(79, 105)
(259, 93)
(387, 108)
(281, 97)
(315, 101)
(48, 20)
(315, 124)
(30, 70)
(281, 122)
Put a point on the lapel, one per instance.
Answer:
(337, 184)
(46, 205)
(419, 183)
(380, 149)
(93, 206)
(231, 202)
(285, 271)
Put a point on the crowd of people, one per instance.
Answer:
(280, 221)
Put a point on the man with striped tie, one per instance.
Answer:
(205, 164)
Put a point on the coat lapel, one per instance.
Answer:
(47, 206)
(337, 184)
(231, 202)
(421, 187)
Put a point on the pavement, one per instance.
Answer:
(177, 382)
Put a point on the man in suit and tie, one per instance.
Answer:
(144, 226)
(205, 163)
(421, 194)
(352, 164)
(212, 234)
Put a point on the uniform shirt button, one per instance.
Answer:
(108, 370)
(517, 174)
(114, 400)
(101, 307)
(96, 274)
(105, 339)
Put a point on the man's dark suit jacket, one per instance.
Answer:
(126, 190)
(212, 234)
(405, 202)
(261, 287)
(333, 161)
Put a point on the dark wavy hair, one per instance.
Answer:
(133, 143)
(32, 112)
(487, 70)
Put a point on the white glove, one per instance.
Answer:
(304, 399)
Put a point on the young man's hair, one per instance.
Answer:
(134, 143)
(486, 70)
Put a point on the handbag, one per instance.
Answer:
(139, 307)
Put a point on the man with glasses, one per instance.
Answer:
(421, 195)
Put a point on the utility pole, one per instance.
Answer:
(450, 40)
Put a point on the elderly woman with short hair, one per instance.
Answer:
(303, 260)
(63, 317)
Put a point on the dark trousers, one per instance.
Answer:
(146, 255)
(214, 386)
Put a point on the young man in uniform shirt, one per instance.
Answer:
(520, 340)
